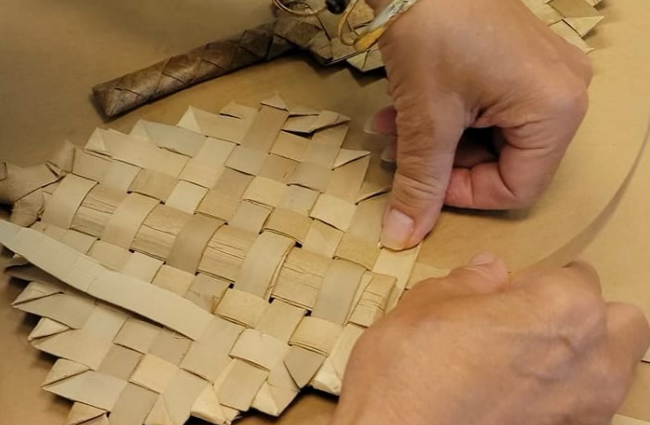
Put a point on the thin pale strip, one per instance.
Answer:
(337, 292)
(67, 199)
(260, 269)
(265, 128)
(92, 388)
(399, 264)
(127, 219)
(116, 288)
(190, 243)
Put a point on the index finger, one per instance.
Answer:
(515, 180)
(579, 273)
(535, 135)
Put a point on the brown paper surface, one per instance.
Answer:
(77, 44)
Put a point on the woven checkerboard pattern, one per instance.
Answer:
(207, 268)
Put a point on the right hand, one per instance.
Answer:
(478, 348)
(482, 64)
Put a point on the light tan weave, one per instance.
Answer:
(203, 269)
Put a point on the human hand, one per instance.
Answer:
(459, 64)
(477, 348)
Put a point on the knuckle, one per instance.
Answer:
(587, 68)
(417, 186)
(573, 304)
(582, 65)
(614, 390)
(523, 198)
(555, 295)
(570, 99)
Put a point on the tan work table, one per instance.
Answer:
(53, 52)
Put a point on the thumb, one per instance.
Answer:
(428, 132)
(484, 275)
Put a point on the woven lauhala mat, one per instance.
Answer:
(203, 269)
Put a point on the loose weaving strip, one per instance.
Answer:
(115, 288)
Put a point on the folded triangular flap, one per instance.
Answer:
(273, 400)
(327, 379)
(64, 369)
(35, 291)
(208, 408)
(302, 364)
(158, 414)
(275, 101)
(348, 155)
(583, 25)
(47, 327)
(81, 413)
(188, 120)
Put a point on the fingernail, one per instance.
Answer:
(369, 126)
(389, 154)
(483, 259)
(397, 230)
